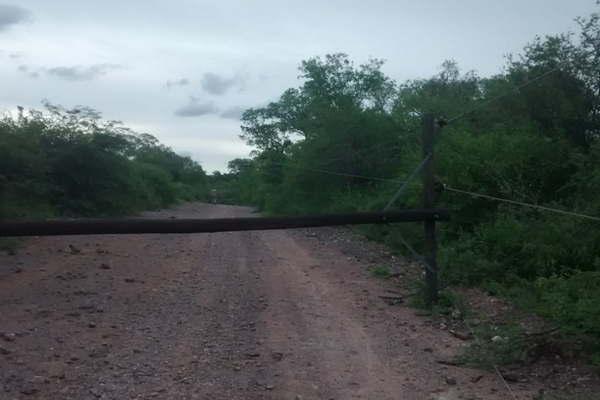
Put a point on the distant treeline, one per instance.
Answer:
(70, 162)
(534, 137)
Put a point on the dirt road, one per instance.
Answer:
(241, 315)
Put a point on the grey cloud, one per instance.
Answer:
(81, 73)
(75, 73)
(218, 85)
(27, 71)
(178, 82)
(196, 109)
(233, 113)
(12, 15)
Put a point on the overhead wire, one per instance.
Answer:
(489, 101)
(337, 173)
(517, 88)
(407, 181)
(521, 203)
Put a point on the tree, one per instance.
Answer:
(72, 162)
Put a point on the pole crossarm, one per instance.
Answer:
(143, 225)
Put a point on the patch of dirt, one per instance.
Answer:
(555, 372)
(240, 315)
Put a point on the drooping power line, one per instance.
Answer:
(522, 204)
(337, 173)
(489, 101)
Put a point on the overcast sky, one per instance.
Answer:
(184, 70)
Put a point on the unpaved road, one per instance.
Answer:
(241, 315)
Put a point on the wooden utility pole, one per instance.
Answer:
(128, 225)
(429, 198)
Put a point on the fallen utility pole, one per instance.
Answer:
(142, 225)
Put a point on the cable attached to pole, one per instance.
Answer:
(522, 204)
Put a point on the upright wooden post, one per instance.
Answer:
(429, 197)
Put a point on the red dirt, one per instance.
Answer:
(241, 315)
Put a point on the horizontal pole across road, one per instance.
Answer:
(143, 225)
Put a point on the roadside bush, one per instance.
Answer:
(71, 162)
(573, 301)
(155, 188)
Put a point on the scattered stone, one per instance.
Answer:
(9, 336)
(269, 387)
(74, 250)
(514, 377)
(460, 335)
(29, 391)
(450, 381)
(92, 325)
(277, 356)
(476, 379)
(104, 266)
(43, 313)
(56, 369)
(4, 351)
(18, 270)
(451, 362)
(99, 352)
(392, 300)
(84, 293)
(37, 379)
(129, 280)
(73, 314)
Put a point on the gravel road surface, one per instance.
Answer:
(240, 315)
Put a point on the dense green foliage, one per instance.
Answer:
(533, 136)
(72, 163)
